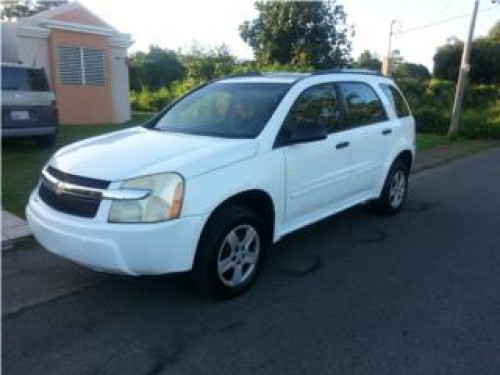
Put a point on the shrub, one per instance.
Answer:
(431, 120)
(432, 102)
(481, 123)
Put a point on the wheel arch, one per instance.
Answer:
(256, 200)
(406, 156)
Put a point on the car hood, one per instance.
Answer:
(138, 151)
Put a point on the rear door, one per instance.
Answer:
(371, 132)
(405, 127)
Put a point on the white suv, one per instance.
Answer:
(218, 176)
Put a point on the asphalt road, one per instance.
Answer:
(418, 293)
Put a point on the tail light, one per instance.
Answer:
(55, 110)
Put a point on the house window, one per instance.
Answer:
(82, 66)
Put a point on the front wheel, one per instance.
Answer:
(230, 252)
(395, 190)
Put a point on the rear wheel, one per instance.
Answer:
(395, 189)
(230, 252)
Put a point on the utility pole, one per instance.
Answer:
(388, 68)
(462, 76)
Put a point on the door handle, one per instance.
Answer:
(341, 145)
(386, 131)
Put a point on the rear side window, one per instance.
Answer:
(24, 79)
(396, 99)
(363, 106)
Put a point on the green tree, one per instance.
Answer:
(367, 60)
(16, 9)
(301, 33)
(484, 58)
(411, 70)
(205, 64)
(485, 61)
(157, 68)
(136, 62)
(447, 60)
(494, 33)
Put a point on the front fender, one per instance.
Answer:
(263, 172)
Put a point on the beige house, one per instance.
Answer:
(84, 57)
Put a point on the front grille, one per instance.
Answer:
(69, 203)
(78, 180)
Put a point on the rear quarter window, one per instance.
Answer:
(24, 79)
(396, 99)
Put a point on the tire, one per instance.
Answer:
(46, 140)
(395, 190)
(224, 265)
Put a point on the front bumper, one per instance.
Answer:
(132, 249)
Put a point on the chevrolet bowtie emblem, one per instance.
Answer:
(59, 188)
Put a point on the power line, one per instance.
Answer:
(438, 22)
(440, 11)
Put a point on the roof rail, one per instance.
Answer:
(250, 73)
(347, 71)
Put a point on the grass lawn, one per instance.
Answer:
(426, 141)
(22, 160)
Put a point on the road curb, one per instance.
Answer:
(441, 155)
(14, 229)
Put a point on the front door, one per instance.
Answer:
(317, 173)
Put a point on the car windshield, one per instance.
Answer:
(24, 79)
(225, 109)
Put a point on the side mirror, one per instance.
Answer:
(306, 132)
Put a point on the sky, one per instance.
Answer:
(180, 24)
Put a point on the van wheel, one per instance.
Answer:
(395, 190)
(46, 140)
(230, 252)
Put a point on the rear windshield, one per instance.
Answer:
(24, 79)
(227, 110)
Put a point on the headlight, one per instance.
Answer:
(163, 203)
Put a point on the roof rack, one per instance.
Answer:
(251, 73)
(347, 71)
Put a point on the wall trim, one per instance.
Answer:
(121, 40)
(33, 31)
(80, 28)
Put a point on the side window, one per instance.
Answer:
(396, 99)
(317, 104)
(37, 80)
(362, 104)
(14, 79)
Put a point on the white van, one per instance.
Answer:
(28, 105)
(218, 176)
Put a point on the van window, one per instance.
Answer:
(24, 79)
(317, 104)
(226, 109)
(396, 99)
(362, 104)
